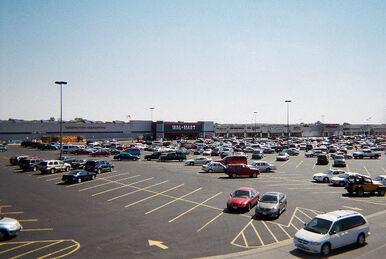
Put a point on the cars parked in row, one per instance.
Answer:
(77, 176)
(326, 176)
(98, 166)
(263, 166)
(198, 161)
(361, 184)
(53, 166)
(214, 167)
(30, 164)
(282, 156)
(126, 156)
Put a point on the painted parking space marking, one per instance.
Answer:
(120, 187)
(154, 195)
(301, 162)
(313, 167)
(53, 179)
(370, 201)
(189, 210)
(137, 190)
(39, 249)
(367, 171)
(266, 236)
(96, 179)
(174, 200)
(11, 213)
(384, 170)
(210, 221)
(352, 208)
(284, 163)
(28, 220)
(106, 183)
(36, 229)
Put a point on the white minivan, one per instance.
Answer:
(332, 230)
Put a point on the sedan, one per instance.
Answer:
(340, 180)
(271, 204)
(77, 176)
(241, 170)
(214, 167)
(100, 152)
(82, 151)
(243, 198)
(198, 161)
(9, 227)
(126, 156)
(326, 176)
(339, 161)
(263, 166)
(292, 151)
(282, 156)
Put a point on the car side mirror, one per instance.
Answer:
(332, 232)
(231, 195)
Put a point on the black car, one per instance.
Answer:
(30, 164)
(77, 176)
(78, 163)
(126, 156)
(98, 166)
(15, 159)
(154, 155)
(322, 159)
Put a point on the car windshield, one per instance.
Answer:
(43, 163)
(378, 178)
(269, 199)
(317, 225)
(241, 194)
(282, 154)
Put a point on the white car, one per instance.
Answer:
(198, 161)
(340, 180)
(282, 156)
(9, 227)
(207, 152)
(380, 178)
(326, 176)
(214, 167)
(332, 230)
(263, 166)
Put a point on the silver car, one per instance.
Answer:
(271, 204)
(198, 161)
(263, 166)
(9, 227)
(214, 167)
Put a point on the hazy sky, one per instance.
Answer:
(194, 60)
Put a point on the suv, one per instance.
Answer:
(98, 166)
(257, 154)
(322, 159)
(154, 155)
(360, 184)
(241, 170)
(172, 156)
(231, 160)
(53, 166)
(30, 164)
(332, 230)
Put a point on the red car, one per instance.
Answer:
(122, 147)
(243, 198)
(81, 151)
(100, 152)
(241, 170)
(230, 160)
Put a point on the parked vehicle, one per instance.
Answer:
(100, 152)
(243, 198)
(133, 151)
(77, 176)
(282, 156)
(257, 154)
(82, 151)
(231, 160)
(14, 160)
(322, 159)
(381, 179)
(9, 227)
(292, 152)
(53, 166)
(366, 153)
(98, 166)
(341, 179)
(126, 156)
(271, 204)
(154, 155)
(326, 176)
(78, 163)
(30, 164)
(214, 167)
(263, 166)
(332, 230)
(339, 161)
(268, 150)
(235, 170)
(361, 184)
(67, 148)
(3, 148)
(198, 161)
(172, 156)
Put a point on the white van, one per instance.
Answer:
(67, 148)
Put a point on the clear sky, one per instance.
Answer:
(194, 60)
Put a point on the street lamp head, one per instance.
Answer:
(151, 108)
(288, 101)
(60, 82)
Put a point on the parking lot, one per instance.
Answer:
(151, 209)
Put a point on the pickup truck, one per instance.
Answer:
(154, 155)
(172, 156)
(366, 153)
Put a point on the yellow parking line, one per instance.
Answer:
(313, 166)
(5, 206)
(11, 213)
(245, 240)
(299, 219)
(285, 163)
(138, 190)
(182, 214)
(58, 251)
(367, 171)
(201, 228)
(274, 237)
(37, 249)
(52, 179)
(348, 168)
(36, 229)
(14, 248)
(170, 202)
(301, 162)
(257, 233)
(27, 220)
(295, 227)
(384, 170)
(96, 179)
(45, 176)
(152, 196)
(284, 231)
(120, 187)
(304, 214)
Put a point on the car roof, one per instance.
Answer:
(272, 193)
(245, 189)
(338, 214)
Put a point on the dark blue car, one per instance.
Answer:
(77, 176)
(126, 156)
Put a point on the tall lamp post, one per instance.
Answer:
(151, 113)
(61, 83)
(255, 124)
(288, 134)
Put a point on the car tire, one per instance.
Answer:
(3, 235)
(326, 249)
(210, 171)
(99, 171)
(360, 192)
(34, 169)
(233, 175)
(67, 169)
(341, 184)
(325, 180)
(93, 177)
(110, 169)
(381, 192)
(361, 240)
(254, 175)
(52, 171)
(79, 180)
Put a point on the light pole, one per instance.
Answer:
(288, 134)
(151, 113)
(61, 83)
(255, 124)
